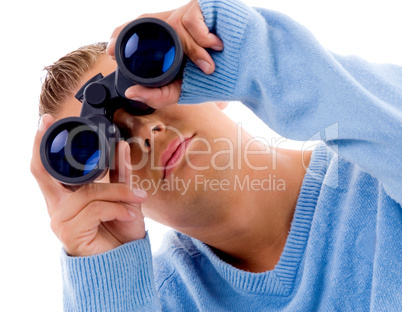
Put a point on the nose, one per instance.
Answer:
(146, 133)
(141, 130)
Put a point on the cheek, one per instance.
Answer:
(139, 158)
(144, 163)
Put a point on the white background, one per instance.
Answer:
(37, 33)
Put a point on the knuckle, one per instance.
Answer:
(174, 21)
(176, 24)
(54, 226)
(123, 190)
(94, 208)
(191, 51)
(90, 191)
(63, 232)
(169, 93)
(203, 41)
(188, 21)
(34, 168)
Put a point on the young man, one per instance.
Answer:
(330, 239)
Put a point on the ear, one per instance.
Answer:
(222, 105)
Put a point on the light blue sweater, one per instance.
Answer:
(344, 249)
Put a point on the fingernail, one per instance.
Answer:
(131, 95)
(203, 65)
(217, 48)
(137, 99)
(140, 193)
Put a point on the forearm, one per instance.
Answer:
(302, 91)
(119, 280)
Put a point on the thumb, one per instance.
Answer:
(112, 42)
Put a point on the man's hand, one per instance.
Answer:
(96, 217)
(189, 24)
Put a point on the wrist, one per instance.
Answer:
(229, 20)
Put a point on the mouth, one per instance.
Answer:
(173, 155)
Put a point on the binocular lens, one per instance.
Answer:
(149, 52)
(73, 150)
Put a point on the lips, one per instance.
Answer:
(174, 153)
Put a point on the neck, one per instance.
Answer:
(253, 233)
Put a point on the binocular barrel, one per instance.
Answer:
(76, 150)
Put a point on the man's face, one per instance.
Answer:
(174, 151)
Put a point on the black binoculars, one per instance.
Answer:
(76, 150)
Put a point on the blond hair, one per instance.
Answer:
(64, 76)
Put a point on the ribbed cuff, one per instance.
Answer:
(119, 280)
(228, 19)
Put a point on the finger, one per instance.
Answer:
(194, 36)
(98, 192)
(50, 188)
(198, 55)
(89, 220)
(126, 231)
(112, 42)
(193, 21)
(97, 212)
(156, 97)
(194, 51)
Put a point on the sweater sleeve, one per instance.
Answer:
(119, 280)
(277, 68)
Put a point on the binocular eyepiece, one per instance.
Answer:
(76, 150)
